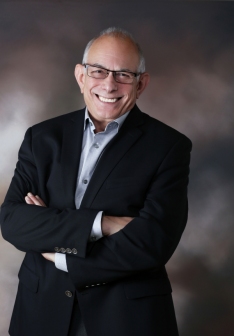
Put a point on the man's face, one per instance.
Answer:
(107, 99)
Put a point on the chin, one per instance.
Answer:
(108, 113)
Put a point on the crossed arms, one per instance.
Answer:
(109, 224)
(140, 244)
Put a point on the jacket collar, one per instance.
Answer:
(113, 153)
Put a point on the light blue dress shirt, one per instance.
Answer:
(93, 145)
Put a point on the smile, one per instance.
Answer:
(107, 100)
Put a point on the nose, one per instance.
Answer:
(109, 84)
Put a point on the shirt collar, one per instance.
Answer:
(119, 120)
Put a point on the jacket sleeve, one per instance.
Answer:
(35, 228)
(149, 240)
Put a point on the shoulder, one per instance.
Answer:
(162, 133)
(57, 124)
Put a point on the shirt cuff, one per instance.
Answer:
(61, 262)
(96, 232)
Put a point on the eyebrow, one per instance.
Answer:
(101, 66)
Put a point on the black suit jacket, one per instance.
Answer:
(120, 280)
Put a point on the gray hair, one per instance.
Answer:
(119, 33)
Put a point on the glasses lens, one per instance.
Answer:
(95, 72)
(124, 77)
(100, 73)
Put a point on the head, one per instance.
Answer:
(108, 99)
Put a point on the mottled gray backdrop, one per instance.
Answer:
(189, 49)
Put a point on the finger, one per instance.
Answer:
(46, 255)
(130, 219)
(34, 199)
(40, 200)
(28, 200)
(49, 256)
(127, 219)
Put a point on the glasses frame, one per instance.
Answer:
(135, 74)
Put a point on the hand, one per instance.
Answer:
(34, 200)
(49, 256)
(113, 224)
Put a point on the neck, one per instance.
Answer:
(100, 125)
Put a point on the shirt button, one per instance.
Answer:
(68, 293)
(63, 250)
(85, 181)
(96, 145)
(68, 250)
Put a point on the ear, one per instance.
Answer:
(80, 76)
(142, 83)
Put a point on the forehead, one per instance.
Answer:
(114, 53)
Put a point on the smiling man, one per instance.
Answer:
(110, 94)
(98, 202)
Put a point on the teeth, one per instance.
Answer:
(106, 100)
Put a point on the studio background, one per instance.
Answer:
(189, 51)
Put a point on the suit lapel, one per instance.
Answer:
(113, 153)
(71, 151)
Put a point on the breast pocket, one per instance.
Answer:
(121, 182)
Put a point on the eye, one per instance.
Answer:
(125, 75)
(97, 71)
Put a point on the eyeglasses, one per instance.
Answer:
(98, 72)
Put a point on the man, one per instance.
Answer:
(106, 200)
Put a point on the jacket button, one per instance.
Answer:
(62, 250)
(74, 251)
(56, 249)
(68, 250)
(68, 293)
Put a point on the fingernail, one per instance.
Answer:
(29, 194)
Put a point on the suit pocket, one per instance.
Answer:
(121, 182)
(147, 287)
(28, 278)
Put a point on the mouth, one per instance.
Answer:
(107, 100)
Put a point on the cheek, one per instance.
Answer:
(88, 92)
(129, 94)
(132, 92)
(132, 95)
